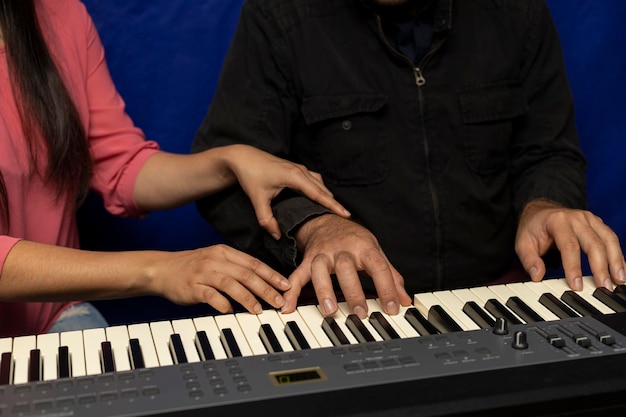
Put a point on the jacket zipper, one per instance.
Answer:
(420, 81)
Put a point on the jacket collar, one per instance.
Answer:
(442, 13)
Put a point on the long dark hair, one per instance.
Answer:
(44, 104)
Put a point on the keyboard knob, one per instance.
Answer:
(501, 327)
(520, 341)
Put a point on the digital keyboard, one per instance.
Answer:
(531, 348)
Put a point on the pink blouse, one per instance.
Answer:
(118, 148)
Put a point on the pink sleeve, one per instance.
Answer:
(6, 244)
(119, 149)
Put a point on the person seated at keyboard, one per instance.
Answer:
(445, 127)
(63, 130)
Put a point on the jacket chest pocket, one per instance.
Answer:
(488, 112)
(349, 137)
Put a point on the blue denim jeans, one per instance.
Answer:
(79, 317)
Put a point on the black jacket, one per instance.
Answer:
(436, 160)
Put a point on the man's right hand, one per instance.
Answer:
(335, 245)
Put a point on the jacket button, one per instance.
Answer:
(346, 125)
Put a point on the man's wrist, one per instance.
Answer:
(539, 204)
(307, 228)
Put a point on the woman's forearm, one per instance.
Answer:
(170, 180)
(39, 272)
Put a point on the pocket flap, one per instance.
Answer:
(491, 102)
(318, 108)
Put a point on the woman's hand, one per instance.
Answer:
(206, 275)
(263, 176)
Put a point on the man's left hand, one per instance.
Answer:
(544, 224)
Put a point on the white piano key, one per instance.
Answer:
(22, 346)
(484, 294)
(538, 288)
(6, 345)
(313, 318)
(271, 317)
(161, 332)
(465, 295)
(302, 325)
(532, 299)
(424, 301)
(187, 331)
(118, 336)
(250, 326)
(142, 333)
(502, 291)
(454, 307)
(229, 321)
(93, 339)
(76, 347)
(346, 312)
(48, 344)
(558, 286)
(208, 325)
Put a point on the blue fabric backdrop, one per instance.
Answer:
(165, 57)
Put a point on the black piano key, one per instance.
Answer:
(230, 343)
(478, 315)
(613, 301)
(106, 357)
(136, 355)
(35, 366)
(204, 347)
(295, 336)
(382, 326)
(556, 306)
(579, 304)
(358, 329)
(497, 310)
(419, 322)
(63, 362)
(334, 332)
(442, 320)
(6, 368)
(177, 349)
(620, 290)
(523, 310)
(269, 339)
